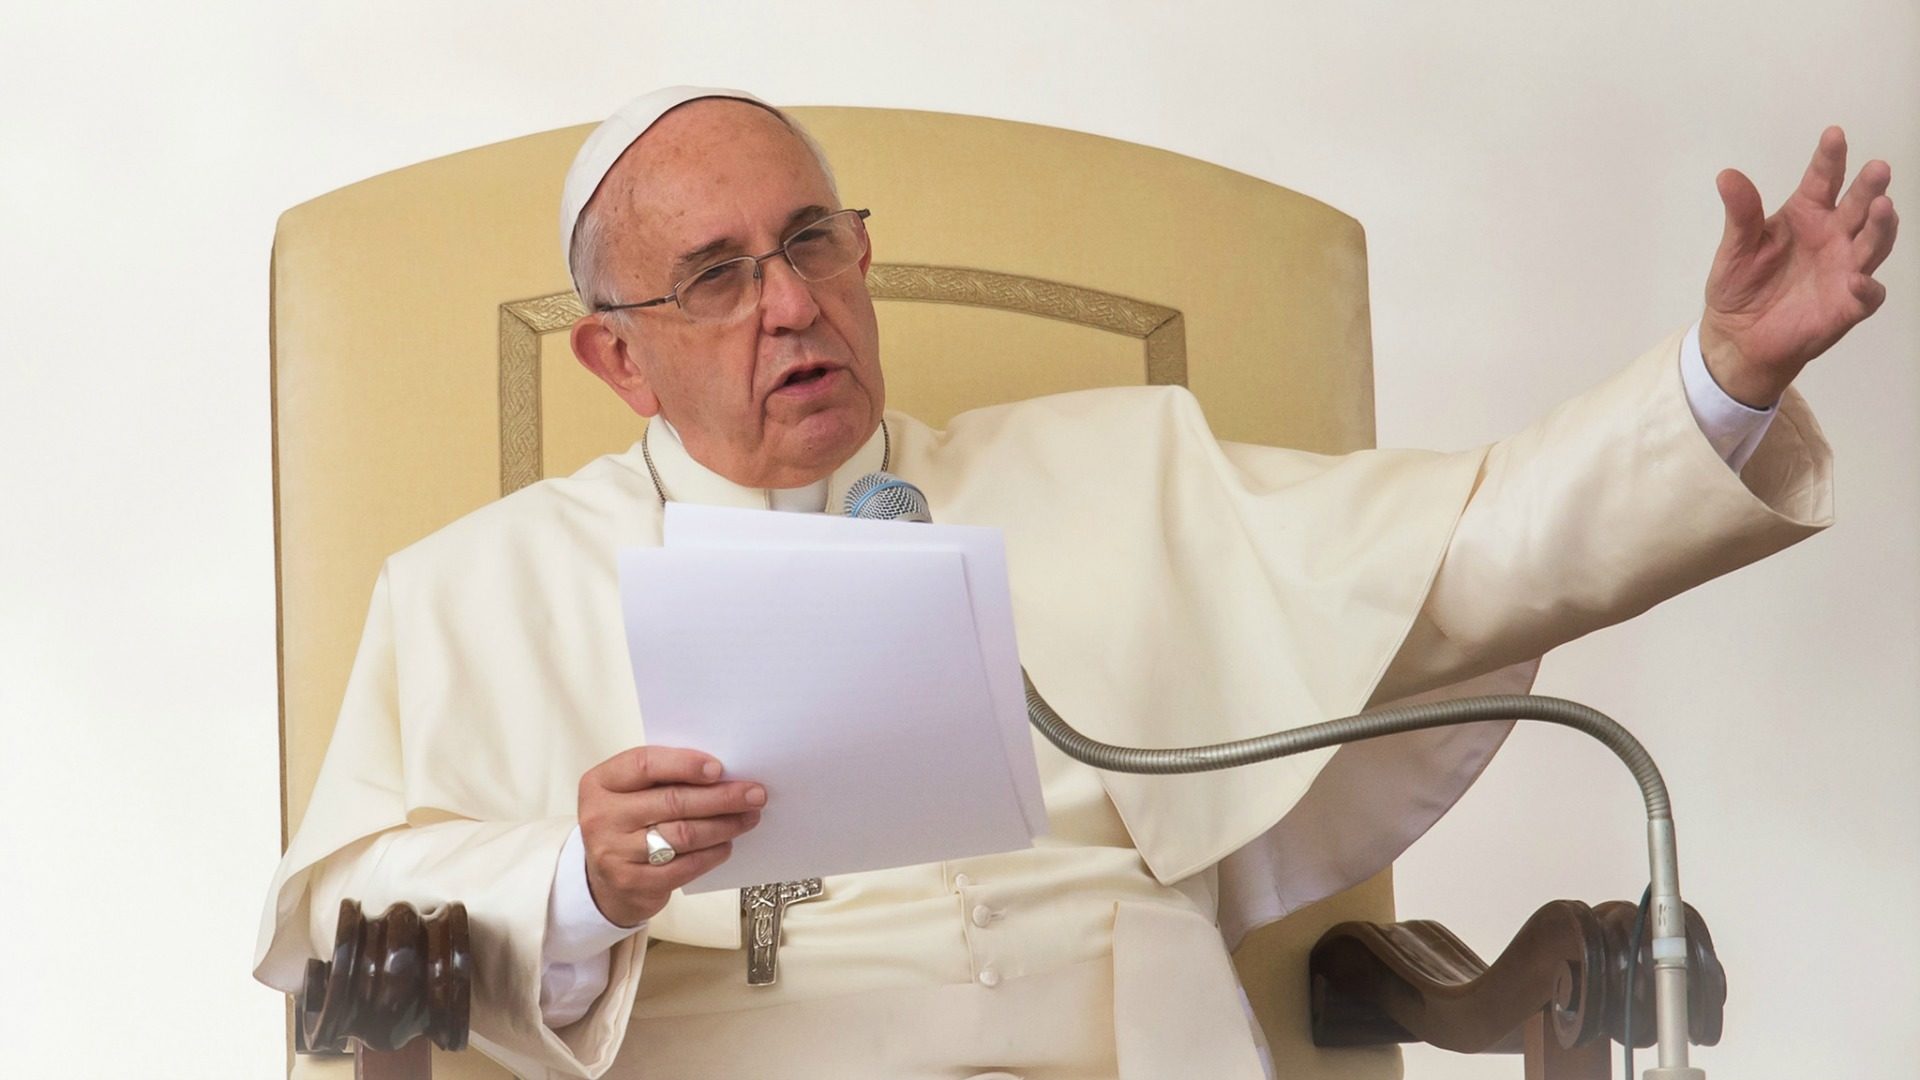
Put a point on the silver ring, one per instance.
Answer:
(659, 852)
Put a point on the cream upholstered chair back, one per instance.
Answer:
(421, 366)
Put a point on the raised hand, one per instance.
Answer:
(1784, 288)
(678, 792)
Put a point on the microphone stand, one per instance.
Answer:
(1667, 914)
(883, 496)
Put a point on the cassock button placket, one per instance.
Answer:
(981, 916)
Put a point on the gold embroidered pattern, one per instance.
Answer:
(1162, 329)
(521, 324)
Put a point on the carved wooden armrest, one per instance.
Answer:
(397, 986)
(1558, 992)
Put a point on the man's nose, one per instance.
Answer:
(786, 300)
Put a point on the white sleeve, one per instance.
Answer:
(575, 958)
(1734, 429)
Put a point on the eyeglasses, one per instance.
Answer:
(727, 289)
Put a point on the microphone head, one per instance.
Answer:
(881, 496)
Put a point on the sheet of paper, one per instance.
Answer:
(984, 554)
(850, 682)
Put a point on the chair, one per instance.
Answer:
(420, 370)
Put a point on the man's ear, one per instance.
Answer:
(605, 353)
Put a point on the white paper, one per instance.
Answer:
(983, 552)
(851, 683)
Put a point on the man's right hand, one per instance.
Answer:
(678, 792)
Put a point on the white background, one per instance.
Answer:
(1537, 185)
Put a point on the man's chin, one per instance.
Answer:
(821, 442)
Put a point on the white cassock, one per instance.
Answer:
(1169, 589)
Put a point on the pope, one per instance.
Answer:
(490, 750)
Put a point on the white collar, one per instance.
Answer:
(811, 499)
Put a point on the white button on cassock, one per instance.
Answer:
(961, 881)
(982, 915)
(989, 978)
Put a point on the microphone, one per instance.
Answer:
(882, 496)
(885, 497)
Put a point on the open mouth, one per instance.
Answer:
(804, 376)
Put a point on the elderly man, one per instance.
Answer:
(489, 748)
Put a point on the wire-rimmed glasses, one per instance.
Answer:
(723, 291)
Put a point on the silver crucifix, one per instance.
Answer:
(761, 907)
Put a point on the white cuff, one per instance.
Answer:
(576, 957)
(1733, 429)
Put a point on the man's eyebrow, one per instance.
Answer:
(699, 258)
(806, 215)
(706, 254)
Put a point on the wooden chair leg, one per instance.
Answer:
(413, 1061)
(401, 980)
(1546, 1059)
(1564, 976)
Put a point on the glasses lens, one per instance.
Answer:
(828, 246)
(718, 292)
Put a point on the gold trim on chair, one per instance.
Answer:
(521, 324)
(1163, 330)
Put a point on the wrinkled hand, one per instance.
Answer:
(1784, 288)
(678, 792)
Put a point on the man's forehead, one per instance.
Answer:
(610, 141)
(714, 183)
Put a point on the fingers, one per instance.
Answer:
(1869, 292)
(679, 792)
(661, 880)
(1827, 170)
(682, 802)
(610, 813)
(647, 766)
(629, 888)
(698, 834)
(1746, 220)
(1875, 241)
(1866, 187)
(628, 892)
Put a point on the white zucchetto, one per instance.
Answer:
(611, 139)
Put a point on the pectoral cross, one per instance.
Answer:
(761, 907)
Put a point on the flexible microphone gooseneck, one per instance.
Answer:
(883, 496)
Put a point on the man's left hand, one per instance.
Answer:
(1784, 288)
